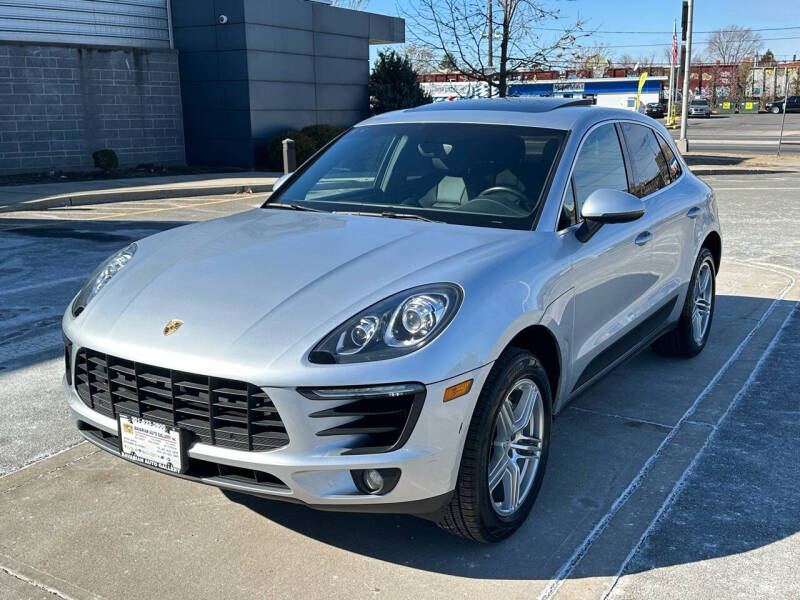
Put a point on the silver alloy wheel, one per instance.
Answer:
(516, 447)
(703, 301)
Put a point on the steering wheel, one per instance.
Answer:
(521, 198)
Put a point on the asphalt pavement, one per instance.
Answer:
(748, 133)
(667, 479)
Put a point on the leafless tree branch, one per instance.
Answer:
(460, 28)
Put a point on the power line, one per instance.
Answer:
(666, 43)
(723, 30)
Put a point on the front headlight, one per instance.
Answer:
(101, 276)
(395, 326)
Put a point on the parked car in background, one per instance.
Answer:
(654, 110)
(776, 107)
(393, 330)
(699, 107)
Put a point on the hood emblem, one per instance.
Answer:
(172, 326)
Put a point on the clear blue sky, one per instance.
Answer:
(657, 15)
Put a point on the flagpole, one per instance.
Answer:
(670, 120)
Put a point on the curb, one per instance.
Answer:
(744, 171)
(110, 196)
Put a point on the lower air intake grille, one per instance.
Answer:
(217, 411)
(376, 418)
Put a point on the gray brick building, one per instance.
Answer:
(200, 81)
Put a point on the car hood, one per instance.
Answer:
(265, 282)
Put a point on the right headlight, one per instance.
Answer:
(397, 325)
(101, 276)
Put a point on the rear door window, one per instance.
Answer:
(649, 167)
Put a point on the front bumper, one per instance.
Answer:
(311, 469)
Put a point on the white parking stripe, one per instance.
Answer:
(569, 566)
(670, 499)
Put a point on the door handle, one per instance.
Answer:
(693, 212)
(643, 238)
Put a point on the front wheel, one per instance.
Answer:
(776, 110)
(691, 334)
(505, 452)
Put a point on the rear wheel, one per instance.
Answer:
(691, 334)
(505, 452)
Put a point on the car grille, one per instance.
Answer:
(217, 411)
(379, 418)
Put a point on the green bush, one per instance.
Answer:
(105, 159)
(272, 157)
(394, 84)
(321, 134)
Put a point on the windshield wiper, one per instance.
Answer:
(387, 215)
(291, 207)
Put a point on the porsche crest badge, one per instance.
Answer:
(172, 326)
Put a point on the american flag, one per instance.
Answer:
(674, 48)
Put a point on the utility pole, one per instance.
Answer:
(683, 142)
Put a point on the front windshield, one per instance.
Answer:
(699, 102)
(487, 175)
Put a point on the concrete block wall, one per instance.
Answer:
(274, 65)
(58, 104)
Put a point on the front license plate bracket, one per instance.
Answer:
(153, 444)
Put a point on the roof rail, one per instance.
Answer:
(579, 102)
(514, 104)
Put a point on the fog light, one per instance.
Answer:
(376, 482)
(373, 480)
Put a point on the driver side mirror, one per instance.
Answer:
(280, 181)
(607, 206)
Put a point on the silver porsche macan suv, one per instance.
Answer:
(394, 329)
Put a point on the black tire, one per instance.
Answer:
(470, 513)
(680, 342)
(776, 110)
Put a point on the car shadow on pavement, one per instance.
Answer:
(600, 443)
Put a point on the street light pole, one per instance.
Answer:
(684, 142)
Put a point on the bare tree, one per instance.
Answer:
(422, 59)
(351, 4)
(731, 44)
(464, 30)
(626, 60)
(591, 58)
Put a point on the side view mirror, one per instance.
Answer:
(607, 206)
(280, 181)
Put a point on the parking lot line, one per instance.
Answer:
(130, 213)
(569, 566)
